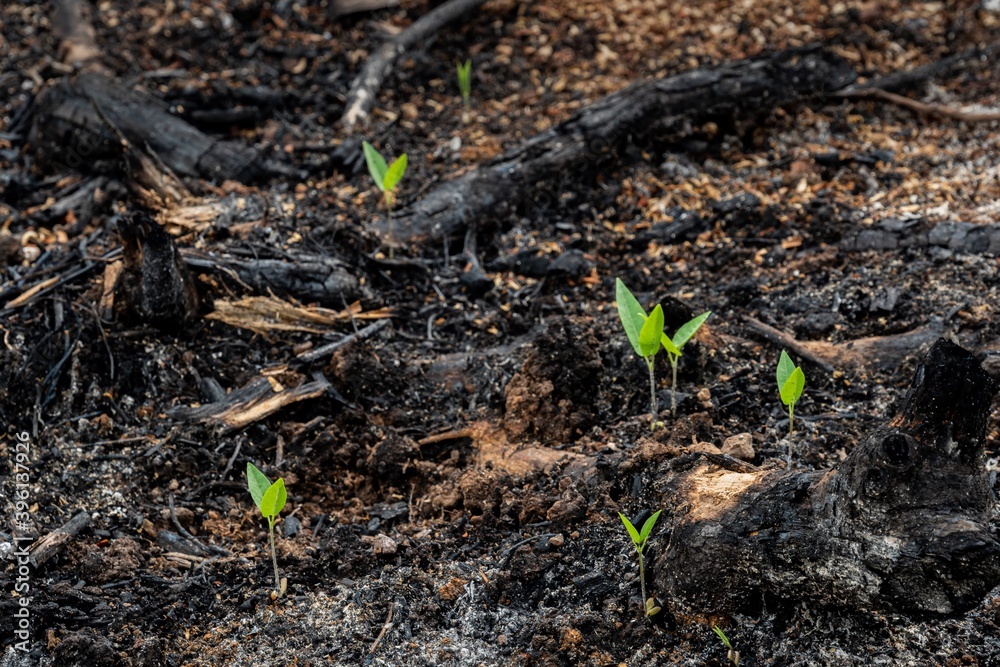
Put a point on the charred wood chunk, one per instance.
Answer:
(90, 122)
(901, 525)
(154, 286)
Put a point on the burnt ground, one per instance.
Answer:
(453, 495)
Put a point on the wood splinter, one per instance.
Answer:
(903, 524)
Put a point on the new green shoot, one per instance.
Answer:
(791, 382)
(674, 347)
(639, 539)
(387, 178)
(733, 655)
(464, 71)
(644, 332)
(270, 500)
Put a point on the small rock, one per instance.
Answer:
(184, 515)
(567, 510)
(706, 447)
(451, 590)
(382, 544)
(148, 653)
(292, 526)
(557, 540)
(739, 447)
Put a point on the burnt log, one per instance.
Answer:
(306, 277)
(154, 285)
(901, 525)
(95, 122)
(599, 132)
(894, 234)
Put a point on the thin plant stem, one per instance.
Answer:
(673, 386)
(791, 416)
(274, 559)
(642, 582)
(388, 208)
(652, 393)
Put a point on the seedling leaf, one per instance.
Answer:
(647, 527)
(632, 532)
(722, 636)
(785, 369)
(274, 499)
(669, 346)
(632, 315)
(464, 78)
(395, 174)
(376, 164)
(651, 333)
(257, 483)
(688, 330)
(651, 608)
(792, 389)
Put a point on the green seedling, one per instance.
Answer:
(733, 654)
(270, 500)
(639, 539)
(387, 178)
(791, 382)
(674, 347)
(644, 332)
(464, 71)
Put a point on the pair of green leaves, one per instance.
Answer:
(269, 498)
(640, 537)
(464, 71)
(645, 332)
(791, 380)
(386, 176)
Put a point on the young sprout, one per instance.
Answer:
(674, 346)
(733, 654)
(639, 539)
(644, 332)
(270, 500)
(464, 71)
(791, 382)
(387, 178)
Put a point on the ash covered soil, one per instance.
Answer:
(453, 496)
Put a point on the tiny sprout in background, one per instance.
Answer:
(387, 178)
(733, 655)
(639, 539)
(464, 71)
(791, 382)
(270, 500)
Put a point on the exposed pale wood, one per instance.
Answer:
(857, 354)
(51, 544)
(77, 40)
(939, 110)
(255, 401)
(328, 349)
(264, 314)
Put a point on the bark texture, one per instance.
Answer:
(599, 132)
(901, 525)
